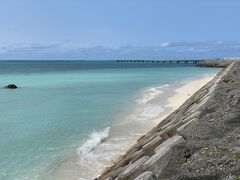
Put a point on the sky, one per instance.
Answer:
(124, 29)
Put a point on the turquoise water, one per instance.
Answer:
(60, 103)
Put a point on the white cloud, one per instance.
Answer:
(165, 44)
(165, 50)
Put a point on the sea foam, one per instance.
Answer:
(150, 111)
(150, 94)
(95, 138)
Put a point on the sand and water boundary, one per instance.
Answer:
(152, 153)
(113, 142)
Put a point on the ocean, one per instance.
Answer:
(56, 125)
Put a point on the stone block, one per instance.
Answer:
(134, 170)
(171, 142)
(148, 175)
(137, 155)
(148, 148)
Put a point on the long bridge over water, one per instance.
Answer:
(200, 63)
(162, 61)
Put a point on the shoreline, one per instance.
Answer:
(180, 89)
(123, 137)
(186, 91)
(182, 92)
(164, 151)
(179, 93)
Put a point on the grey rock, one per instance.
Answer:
(148, 148)
(133, 170)
(171, 142)
(148, 175)
(11, 86)
(158, 162)
(137, 155)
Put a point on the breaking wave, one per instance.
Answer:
(95, 138)
(150, 94)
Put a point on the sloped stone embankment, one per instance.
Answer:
(200, 140)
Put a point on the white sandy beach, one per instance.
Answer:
(186, 91)
(182, 94)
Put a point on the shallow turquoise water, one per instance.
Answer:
(59, 104)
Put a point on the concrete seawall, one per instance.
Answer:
(170, 149)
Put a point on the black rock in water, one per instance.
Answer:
(11, 86)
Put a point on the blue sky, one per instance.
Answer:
(110, 29)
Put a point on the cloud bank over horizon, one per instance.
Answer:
(106, 29)
(165, 50)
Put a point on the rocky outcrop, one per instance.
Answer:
(11, 86)
(200, 139)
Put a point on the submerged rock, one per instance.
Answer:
(11, 86)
